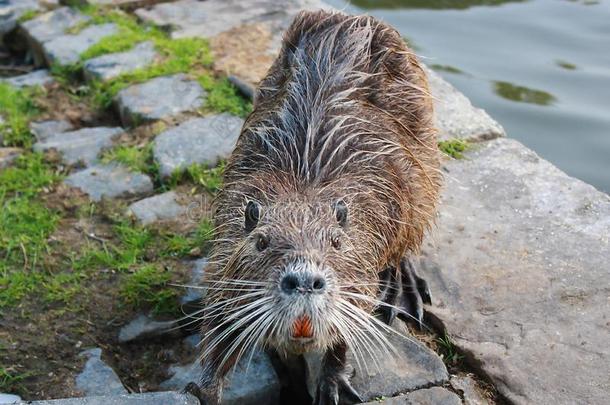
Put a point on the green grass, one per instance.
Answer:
(451, 356)
(180, 245)
(224, 97)
(18, 108)
(454, 147)
(10, 381)
(446, 68)
(137, 159)
(209, 178)
(29, 15)
(25, 225)
(148, 285)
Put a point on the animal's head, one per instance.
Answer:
(298, 278)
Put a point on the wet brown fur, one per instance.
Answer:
(353, 78)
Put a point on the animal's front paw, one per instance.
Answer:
(332, 387)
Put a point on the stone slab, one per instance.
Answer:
(97, 377)
(428, 396)
(66, 49)
(9, 399)
(109, 66)
(11, 11)
(8, 156)
(192, 18)
(253, 381)
(43, 130)
(161, 97)
(456, 117)
(80, 146)
(385, 373)
(161, 398)
(197, 141)
(49, 26)
(157, 208)
(40, 77)
(110, 181)
(520, 275)
(467, 386)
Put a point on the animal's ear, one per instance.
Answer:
(340, 209)
(252, 215)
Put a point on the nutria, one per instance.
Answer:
(328, 193)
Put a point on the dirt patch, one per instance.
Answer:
(243, 51)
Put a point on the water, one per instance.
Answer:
(541, 68)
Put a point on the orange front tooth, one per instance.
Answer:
(302, 327)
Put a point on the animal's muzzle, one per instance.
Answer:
(302, 283)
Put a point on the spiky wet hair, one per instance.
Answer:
(344, 114)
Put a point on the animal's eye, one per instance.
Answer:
(262, 242)
(252, 215)
(336, 242)
(340, 209)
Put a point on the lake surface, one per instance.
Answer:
(541, 68)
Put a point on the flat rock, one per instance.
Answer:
(9, 399)
(80, 146)
(143, 328)
(159, 98)
(519, 274)
(40, 77)
(161, 398)
(66, 49)
(98, 378)
(385, 373)
(11, 11)
(49, 26)
(157, 208)
(456, 117)
(252, 382)
(192, 18)
(109, 66)
(110, 181)
(8, 156)
(204, 140)
(468, 387)
(43, 130)
(428, 396)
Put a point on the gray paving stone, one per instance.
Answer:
(40, 77)
(110, 181)
(9, 399)
(49, 26)
(80, 146)
(66, 49)
(157, 208)
(162, 97)
(199, 140)
(191, 18)
(8, 156)
(109, 66)
(157, 398)
(381, 374)
(467, 386)
(428, 396)
(456, 117)
(43, 130)
(11, 11)
(254, 384)
(97, 377)
(518, 268)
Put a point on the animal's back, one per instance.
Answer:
(344, 112)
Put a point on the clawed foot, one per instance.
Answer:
(331, 388)
(405, 294)
(193, 389)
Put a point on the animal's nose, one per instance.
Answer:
(294, 282)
